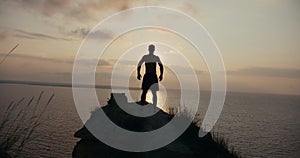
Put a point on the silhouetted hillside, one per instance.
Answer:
(188, 145)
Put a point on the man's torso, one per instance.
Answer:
(150, 63)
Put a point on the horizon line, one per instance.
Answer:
(70, 85)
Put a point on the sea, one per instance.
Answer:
(255, 125)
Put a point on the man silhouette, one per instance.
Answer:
(150, 78)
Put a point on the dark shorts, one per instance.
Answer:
(149, 81)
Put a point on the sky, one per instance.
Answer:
(258, 40)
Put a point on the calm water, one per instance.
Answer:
(257, 125)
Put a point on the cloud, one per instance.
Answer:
(190, 8)
(85, 62)
(34, 35)
(76, 9)
(101, 34)
(79, 32)
(28, 35)
(24, 56)
(64, 14)
(71, 35)
(108, 4)
(89, 62)
(267, 72)
(45, 7)
(124, 62)
(3, 35)
(83, 32)
(183, 70)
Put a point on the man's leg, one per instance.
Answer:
(154, 96)
(143, 96)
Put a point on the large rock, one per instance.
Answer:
(188, 145)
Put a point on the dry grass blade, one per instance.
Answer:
(225, 143)
(36, 104)
(40, 96)
(10, 105)
(50, 99)
(9, 110)
(20, 122)
(9, 53)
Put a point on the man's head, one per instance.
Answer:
(151, 48)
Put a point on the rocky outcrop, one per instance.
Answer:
(188, 145)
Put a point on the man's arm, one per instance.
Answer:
(161, 68)
(139, 68)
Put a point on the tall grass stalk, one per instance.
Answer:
(222, 141)
(18, 123)
(3, 59)
(183, 112)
